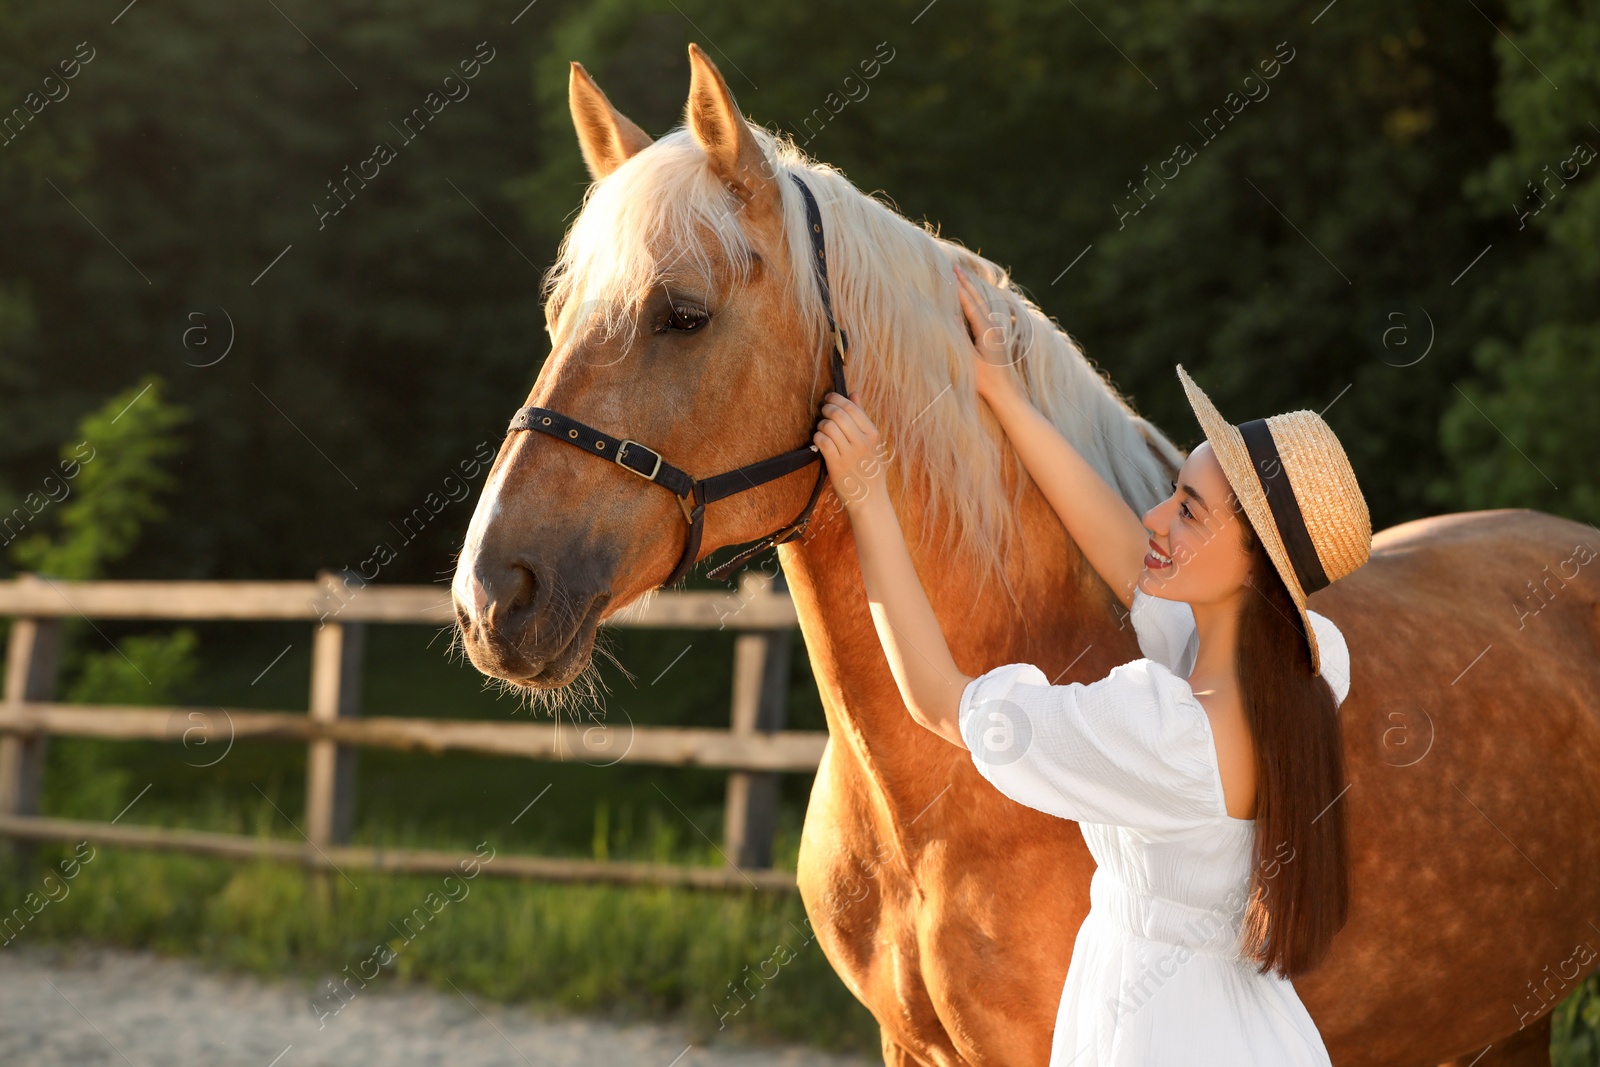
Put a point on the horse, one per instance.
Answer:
(684, 311)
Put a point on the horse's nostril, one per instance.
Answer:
(521, 589)
(504, 595)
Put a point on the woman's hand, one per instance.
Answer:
(853, 449)
(990, 353)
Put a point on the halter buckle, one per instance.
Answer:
(622, 450)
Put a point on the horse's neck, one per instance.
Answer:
(1065, 613)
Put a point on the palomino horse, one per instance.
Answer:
(683, 312)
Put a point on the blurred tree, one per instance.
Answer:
(167, 210)
(1520, 431)
(111, 473)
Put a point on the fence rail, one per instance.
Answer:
(755, 748)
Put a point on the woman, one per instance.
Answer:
(1205, 777)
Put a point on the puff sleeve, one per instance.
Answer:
(1131, 749)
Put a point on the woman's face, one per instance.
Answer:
(1197, 552)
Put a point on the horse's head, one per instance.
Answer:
(675, 321)
(684, 313)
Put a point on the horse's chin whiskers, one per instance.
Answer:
(602, 648)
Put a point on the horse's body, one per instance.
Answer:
(947, 909)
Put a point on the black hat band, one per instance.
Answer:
(1285, 509)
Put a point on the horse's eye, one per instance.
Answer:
(686, 318)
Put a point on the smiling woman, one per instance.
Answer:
(1198, 774)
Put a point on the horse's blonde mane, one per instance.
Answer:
(894, 296)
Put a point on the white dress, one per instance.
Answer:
(1155, 979)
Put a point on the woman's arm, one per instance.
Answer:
(1105, 528)
(918, 655)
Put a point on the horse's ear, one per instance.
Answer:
(605, 135)
(729, 143)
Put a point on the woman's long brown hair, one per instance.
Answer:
(1299, 888)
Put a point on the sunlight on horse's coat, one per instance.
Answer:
(663, 213)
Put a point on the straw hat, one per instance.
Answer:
(1296, 487)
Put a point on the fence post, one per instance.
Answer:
(33, 655)
(760, 705)
(336, 655)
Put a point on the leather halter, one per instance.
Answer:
(695, 493)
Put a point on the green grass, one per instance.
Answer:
(1575, 1027)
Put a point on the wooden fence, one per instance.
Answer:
(754, 750)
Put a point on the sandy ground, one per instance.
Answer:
(88, 1007)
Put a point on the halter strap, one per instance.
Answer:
(695, 493)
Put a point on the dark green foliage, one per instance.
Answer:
(1575, 1027)
(106, 489)
(377, 352)
(116, 472)
(1521, 435)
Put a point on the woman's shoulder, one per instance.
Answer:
(1166, 630)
